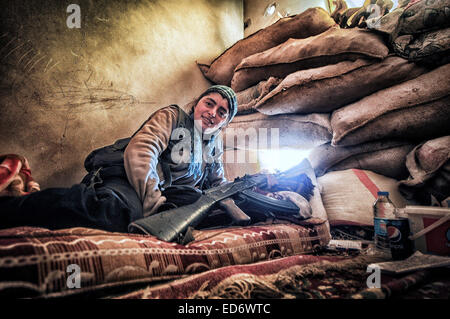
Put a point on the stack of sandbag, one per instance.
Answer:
(329, 47)
(381, 131)
(262, 78)
(311, 22)
(324, 89)
(416, 110)
(419, 30)
(343, 92)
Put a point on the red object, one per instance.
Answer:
(437, 240)
(15, 176)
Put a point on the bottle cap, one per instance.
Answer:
(383, 193)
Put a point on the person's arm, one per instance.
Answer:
(216, 176)
(142, 154)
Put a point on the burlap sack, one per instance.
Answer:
(310, 22)
(425, 15)
(248, 98)
(386, 158)
(348, 196)
(429, 169)
(431, 48)
(414, 17)
(416, 109)
(259, 131)
(330, 47)
(324, 89)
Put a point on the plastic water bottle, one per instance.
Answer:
(383, 211)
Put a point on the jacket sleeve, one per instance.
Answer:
(142, 154)
(216, 176)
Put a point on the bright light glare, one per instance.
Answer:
(281, 159)
(270, 9)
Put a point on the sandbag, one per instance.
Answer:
(330, 47)
(416, 109)
(385, 157)
(310, 22)
(430, 48)
(414, 17)
(248, 98)
(296, 131)
(324, 89)
(348, 195)
(424, 15)
(429, 172)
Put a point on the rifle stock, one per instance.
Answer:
(170, 225)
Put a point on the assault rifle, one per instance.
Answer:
(171, 225)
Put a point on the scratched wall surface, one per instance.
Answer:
(65, 92)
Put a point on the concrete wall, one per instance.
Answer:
(65, 92)
(254, 10)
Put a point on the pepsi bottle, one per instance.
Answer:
(383, 211)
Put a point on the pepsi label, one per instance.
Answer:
(397, 236)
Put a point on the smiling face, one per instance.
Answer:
(211, 112)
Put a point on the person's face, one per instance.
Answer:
(211, 112)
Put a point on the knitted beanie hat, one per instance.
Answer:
(227, 93)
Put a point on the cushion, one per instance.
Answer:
(315, 51)
(416, 109)
(385, 157)
(37, 262)
(324, 89)
(296, 131)
(311, 22)
(349, 195)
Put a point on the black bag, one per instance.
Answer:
(108, 158)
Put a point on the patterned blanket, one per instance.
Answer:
(37, 262)
(301, 277)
